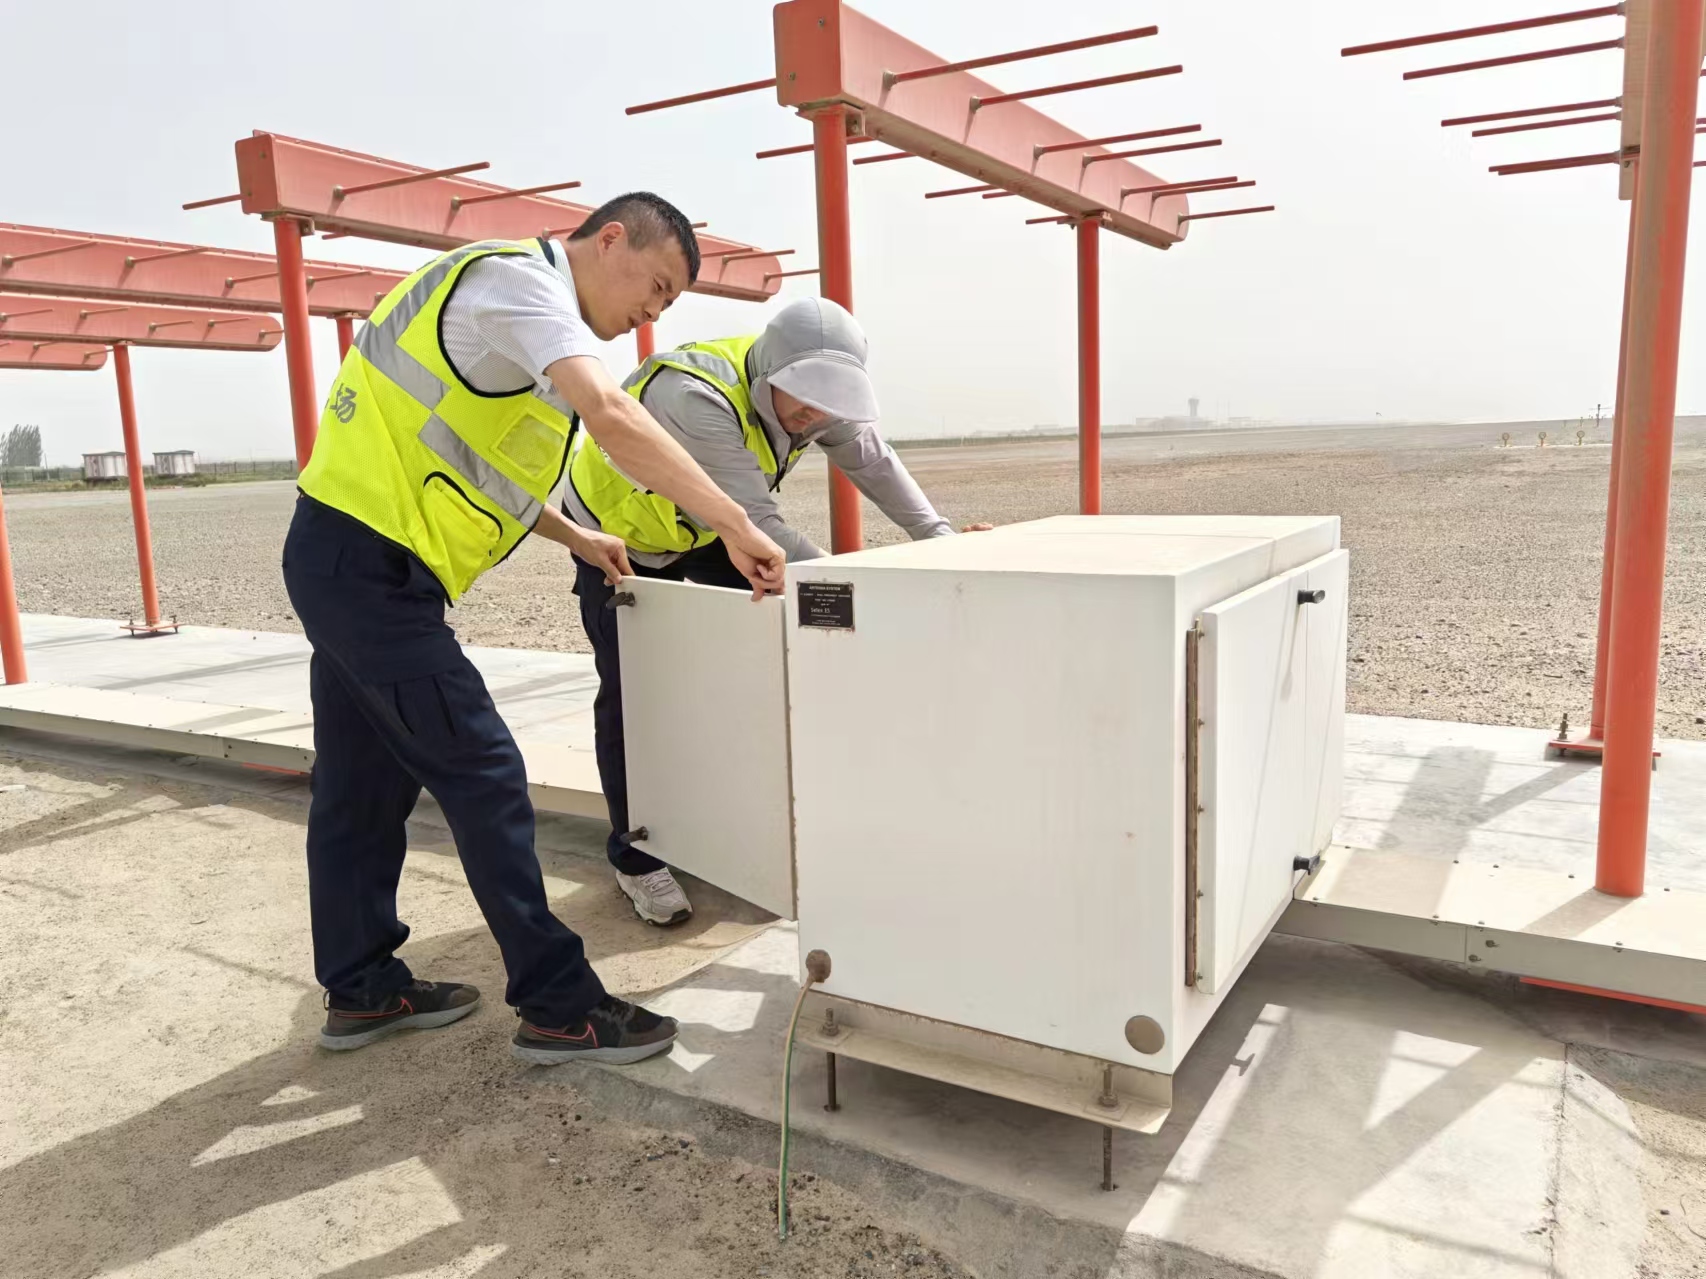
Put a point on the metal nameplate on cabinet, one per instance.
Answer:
(826, 605)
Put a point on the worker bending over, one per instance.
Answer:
(440, 445)
(745, 408)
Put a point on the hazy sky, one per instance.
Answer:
(1399, 277)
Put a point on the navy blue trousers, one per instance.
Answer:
(399, 708)
(709, 566)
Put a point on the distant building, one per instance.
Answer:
(104, 466)
(1193, 403)
(176, 462)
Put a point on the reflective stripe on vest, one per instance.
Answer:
(409, 448)
(645, 521)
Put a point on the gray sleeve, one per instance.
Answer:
(866, 459)
(704, 423)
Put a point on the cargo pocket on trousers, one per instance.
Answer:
(468, 531)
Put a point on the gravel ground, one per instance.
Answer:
(1475, 568)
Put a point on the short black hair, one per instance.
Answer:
(647, 218)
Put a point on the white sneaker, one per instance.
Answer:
(657, 898)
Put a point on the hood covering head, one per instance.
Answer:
(815, 351)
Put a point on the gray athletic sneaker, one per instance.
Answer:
(614, 1031)
(421, 1005)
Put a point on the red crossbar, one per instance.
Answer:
(1073, 87)
(1019, 55)
(1546, 124)
(1177, 186)
(1227, 213)
(1126, 155)
(751, 86)
(1595, 105)
(1564, 162)
(803, 148)
(404, 179)
(457, 201)
(1186, 188)
(1115, 139)
(1511, 59)
(1496, 28)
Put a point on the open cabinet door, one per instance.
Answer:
(1254, 820)
(1273, 710)
(1324, 742)
(704, 703)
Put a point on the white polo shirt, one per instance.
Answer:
(512, 316)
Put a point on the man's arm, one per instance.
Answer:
(523, 310)
(596, 547)
(642, 449)
(866, 459)
(705, 424)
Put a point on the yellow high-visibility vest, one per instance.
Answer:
(645, 520)
(406, 446)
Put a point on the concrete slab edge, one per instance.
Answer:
(997, 1236)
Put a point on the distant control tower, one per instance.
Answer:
(1194, 402)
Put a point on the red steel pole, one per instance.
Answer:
(298, 354)
(346, 334)
(1089, 368)
(138, 493)
(835, 266)
(11, 629)
(645, 343)
(1602, 647)
(1662, 183)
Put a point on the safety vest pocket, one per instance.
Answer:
(535, 446)
(469, 533)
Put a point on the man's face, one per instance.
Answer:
(630, 286)
(796, 416)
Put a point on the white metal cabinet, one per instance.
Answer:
(704, 705)
(977, 745)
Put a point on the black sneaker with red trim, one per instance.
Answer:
(421, 1005)
(614, 1031)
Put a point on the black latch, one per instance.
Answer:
(1308, 865)
(627, 838)
(1311, 597)
(622, 599)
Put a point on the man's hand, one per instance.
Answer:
(978, 528)
(759, 559)
(604, 552)
(598, 549)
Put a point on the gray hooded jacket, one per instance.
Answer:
(815, 351)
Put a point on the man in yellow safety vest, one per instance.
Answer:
(443, 438)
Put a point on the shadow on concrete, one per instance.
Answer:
(1332, 1104)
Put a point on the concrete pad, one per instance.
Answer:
(1339, 1119)
(1481, 795)
(543, 696)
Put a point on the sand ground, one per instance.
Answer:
(168, 1115)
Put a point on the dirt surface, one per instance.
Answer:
(167, 1114)
(1475, 567)
(1667, 1101)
